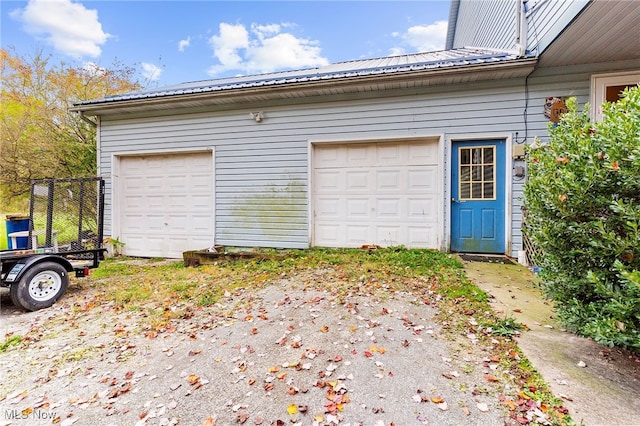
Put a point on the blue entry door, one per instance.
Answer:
(478, 196)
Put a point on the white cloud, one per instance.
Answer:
(150, 72)
(69, 27)
(183, 44)
(93, 68)
(423, 38)
(262, 48)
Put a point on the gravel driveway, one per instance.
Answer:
(287, 353)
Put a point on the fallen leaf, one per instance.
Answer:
(129, 375)
(242, 418)
(491, 378)
(437, 400)
(482, 406)
(292, 409)
(325, 328)
(193, 379)
(210, 421)
(466, 410)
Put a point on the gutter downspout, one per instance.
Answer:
(521, 28)
(87, 119)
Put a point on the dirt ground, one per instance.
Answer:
(286, 354)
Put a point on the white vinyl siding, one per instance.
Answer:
(486, 23)
(492, 24)
(546, 20)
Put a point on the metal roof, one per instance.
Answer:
(390, 65)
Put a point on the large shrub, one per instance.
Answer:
(583, 204)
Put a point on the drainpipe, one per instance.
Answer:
(521, 28)
(87, 119)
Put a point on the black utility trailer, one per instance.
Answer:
(64, 235)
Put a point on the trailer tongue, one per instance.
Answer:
(64, 235)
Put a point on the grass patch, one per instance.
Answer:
(506, 327)
(9, 342)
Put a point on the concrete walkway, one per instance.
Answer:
(600, 385)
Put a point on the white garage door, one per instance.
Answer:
(165, 204)
(377, 193)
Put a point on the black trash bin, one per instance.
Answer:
(17, 224)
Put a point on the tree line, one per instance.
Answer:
(39, 137)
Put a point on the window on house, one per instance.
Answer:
(608, 87)
(477, 173)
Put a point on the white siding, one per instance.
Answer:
(546, 19)
(492, 24)
(486, 23)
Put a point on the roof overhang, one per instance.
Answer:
(299, 91)
(605, 31)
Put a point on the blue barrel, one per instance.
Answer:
(16, 224)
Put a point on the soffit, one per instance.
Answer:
(605, 31)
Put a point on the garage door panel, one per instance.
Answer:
(328, 181)
(388, 208)
(382, 193)
(423, 180)
(327, 158)
(357, 156)
(328, 208)
(328, 232)
(357, 234)
(388, 154)
(389, 235)
(420, 154)
(200, 202)
(357, 208)
(388, 180)
(422, 236)
(166, 204)
(357, 181)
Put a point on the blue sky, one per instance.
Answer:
(172, 42)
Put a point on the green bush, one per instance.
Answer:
(583, 203)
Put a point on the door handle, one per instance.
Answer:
(453, 200)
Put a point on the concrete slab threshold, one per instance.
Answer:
(600, 385)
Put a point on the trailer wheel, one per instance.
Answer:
(41, 286)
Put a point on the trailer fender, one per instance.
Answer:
(23, 265)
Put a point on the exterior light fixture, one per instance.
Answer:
(257, 116)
